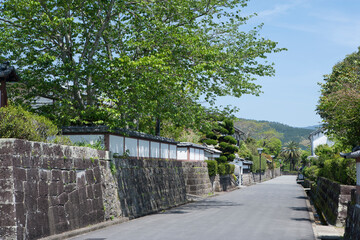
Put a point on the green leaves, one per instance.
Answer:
(137, 62)
(339, 101)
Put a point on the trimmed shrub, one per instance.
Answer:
(231, 157)
(211, 135)
(210, 141)
(212, 167)
(15, 122)
(230, 139)
(227, 168)
(221, 159)
(222, 169)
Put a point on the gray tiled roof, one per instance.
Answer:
(120, 131)
(6, 70)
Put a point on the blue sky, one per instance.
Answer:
(317, 34)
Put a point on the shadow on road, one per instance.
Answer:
(305, 209)
(202, 205)
(301, 219)
(301, 197)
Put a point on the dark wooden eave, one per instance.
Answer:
(8, 73)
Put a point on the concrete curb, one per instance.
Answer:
(311, 215)
(88, 229)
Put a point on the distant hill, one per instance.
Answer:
(313, 127)
(286, 133)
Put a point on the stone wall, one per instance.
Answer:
(251, 178)
(222, 183)
(248, 179)
(332, 199)
(49, 189)
(148, 186)
(352, 227)
(196, 177)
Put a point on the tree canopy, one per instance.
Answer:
(131, 63)
(339, 103)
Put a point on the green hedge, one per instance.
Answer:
(15, 122)
(212, 167)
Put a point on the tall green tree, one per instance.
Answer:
(131, 63)
(291, 152)
(339, 103)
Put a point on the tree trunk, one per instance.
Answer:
(157, 127)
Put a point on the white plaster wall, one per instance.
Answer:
(216, 155)
(173, 151)
(182, 153)
(155, 149)
(131, 145)
(320, 139)
(164, 150)
(116, 144)
(144, 150)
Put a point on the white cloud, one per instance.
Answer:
(281, 8)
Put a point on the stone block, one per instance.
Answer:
(43, 205)
(63, 198)
(53, 189)
(8, 232)
(97, 190)
(97, 174)
(18, 185)
(79, 164)
(70, 187)
(6, 172)
(6, 160)
(20, 173)
(90, 178)
(43, 189)
(7, 215)
(20, 214)
(74, 198)
(89, 192)
(6, 184)
(32, 175)
(35, 161)
(56, 175)
(19, 196)
(68, 163)
(82, 195)
(22, 147)
(66, 177)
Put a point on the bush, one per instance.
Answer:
(15, 122)
(63, 140)
(222, 169)
(230, 139)
(211, 135)
(311, 172)
(231, 157)
(227, 168)
(210, 141)
(221, 159)
(232, 168)
(212, 167)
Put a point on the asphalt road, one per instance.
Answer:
(273, 210)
